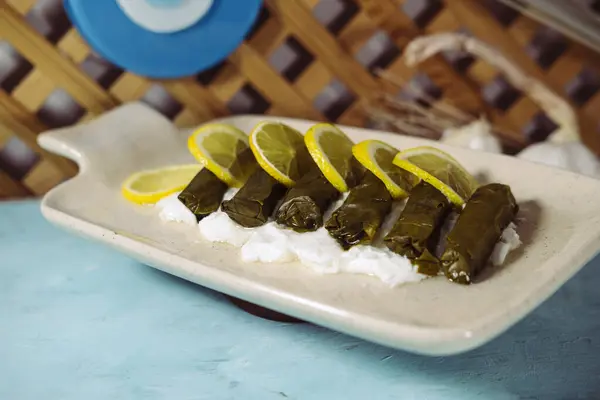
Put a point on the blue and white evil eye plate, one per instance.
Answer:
(163, 38)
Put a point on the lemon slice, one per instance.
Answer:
(439, 169)
(332, 151)
(149, 186)
(378, 157)
(223, 149)
(280, 151)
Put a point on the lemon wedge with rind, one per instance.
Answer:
(331, 150)
(149, 186)
(279, 150)
(378, 157)
(440, 170)
(224, 150)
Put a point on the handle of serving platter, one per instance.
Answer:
(112, 132)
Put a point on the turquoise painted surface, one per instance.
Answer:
(80, 321)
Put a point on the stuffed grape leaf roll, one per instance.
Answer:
(363, 211)
(203, 195)
(254, 203)
(415, 233)
(356, 174)
(303, 205)
(479, 227)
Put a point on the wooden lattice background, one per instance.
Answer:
(305, 58)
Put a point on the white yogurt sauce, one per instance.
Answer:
(509, 241)
(316, 250)
(173, 210)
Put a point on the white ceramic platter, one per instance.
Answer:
(560, 230)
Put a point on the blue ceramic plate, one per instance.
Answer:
(113, 35)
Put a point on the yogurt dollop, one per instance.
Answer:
(316, 250)
(173, 210)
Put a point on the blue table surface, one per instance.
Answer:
(81, 321)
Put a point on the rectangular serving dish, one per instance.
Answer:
(559, 225)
